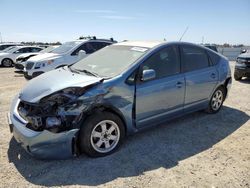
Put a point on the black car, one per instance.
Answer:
(242, 66)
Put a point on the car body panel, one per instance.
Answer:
(200, 84)
(158, 99)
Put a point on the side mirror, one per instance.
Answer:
(148, 75)
(81, 54)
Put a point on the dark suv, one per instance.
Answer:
(242, 66)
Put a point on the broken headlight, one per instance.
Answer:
(57, 112)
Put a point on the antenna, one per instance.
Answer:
(183, 33)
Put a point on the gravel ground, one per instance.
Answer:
(197, 150)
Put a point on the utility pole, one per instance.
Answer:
(202, 39)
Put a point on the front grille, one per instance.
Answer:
(29, 65)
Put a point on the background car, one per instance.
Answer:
(8, 58)
(3, 46)
(66, 54)
(242, 66)
(119, 90)
(20, 62)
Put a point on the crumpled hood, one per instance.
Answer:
(44, 57)
(54, 81)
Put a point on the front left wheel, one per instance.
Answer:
(7, 62)
(101, 134)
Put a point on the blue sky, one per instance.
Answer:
(218, 21)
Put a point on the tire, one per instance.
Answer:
(7, 62)
(216, 100)
(95, 139)
(237, 77)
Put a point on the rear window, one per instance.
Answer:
(194, 58)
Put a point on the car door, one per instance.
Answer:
(163, 96)
(200, 76)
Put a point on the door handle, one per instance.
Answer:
(213, 75)
(179, 84)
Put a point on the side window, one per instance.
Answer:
(22, 50)
(87, 47)
(214, 57)
(165, 62)
(34, 49)
(194, 58)
(99, 45)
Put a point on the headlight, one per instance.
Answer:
(44, 63)
(240, 60)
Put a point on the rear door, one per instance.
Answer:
(200, 76)
(162, 97)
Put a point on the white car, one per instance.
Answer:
(7, 58)
(22, 59)
(66, 54)
(3, 46)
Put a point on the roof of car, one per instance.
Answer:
(146, 44)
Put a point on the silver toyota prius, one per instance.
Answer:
(91, 106)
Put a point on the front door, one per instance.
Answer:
(163, 96)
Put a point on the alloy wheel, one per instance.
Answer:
(217, 100)
(105, 136)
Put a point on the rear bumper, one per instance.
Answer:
(44, 144)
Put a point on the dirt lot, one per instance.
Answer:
(198, 150)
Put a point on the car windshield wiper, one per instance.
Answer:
(84, 71)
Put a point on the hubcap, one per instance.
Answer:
(105, 136)
(7, 63)
(217, 100)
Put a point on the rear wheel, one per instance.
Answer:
(101, 134)
(216, 100)
(7, 62)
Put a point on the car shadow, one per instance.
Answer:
(245, 80)
(160, 147)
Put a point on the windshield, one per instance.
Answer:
(9, 48)
(13, 49)
(65, 47)
(110, 61)
(48, 49)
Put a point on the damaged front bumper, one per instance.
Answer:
(41, 144)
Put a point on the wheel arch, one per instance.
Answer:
(107, 108)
